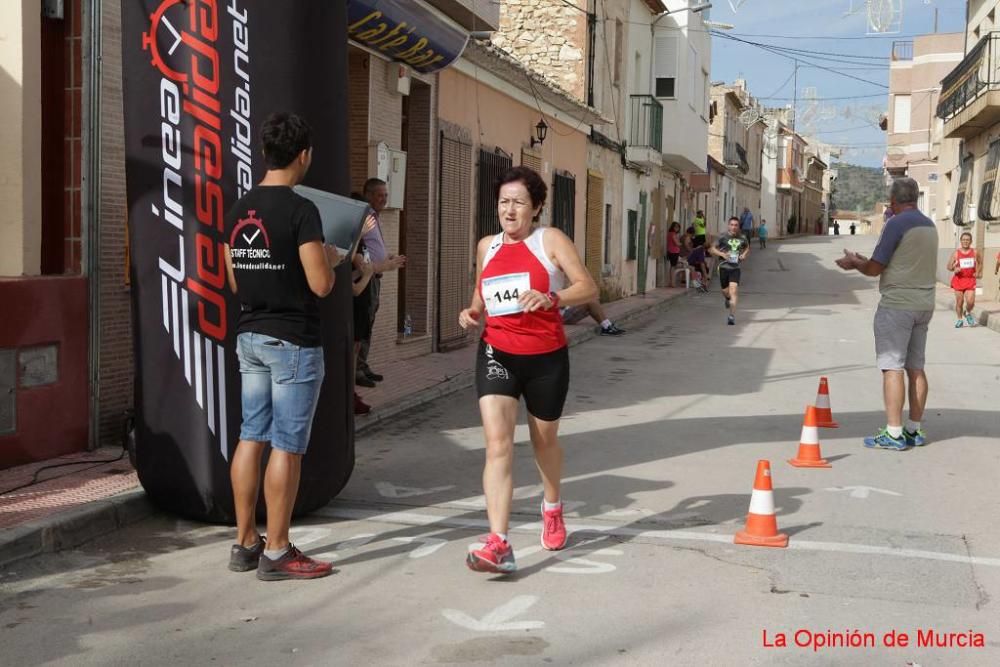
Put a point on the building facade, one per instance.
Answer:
(737, 141)
(969, 110)
(917, 146)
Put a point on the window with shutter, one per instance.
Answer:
(666, 66)
(989, 195)
(901, 114)
(595, 227)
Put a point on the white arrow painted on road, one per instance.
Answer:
(498, 620)
(862, 491)
(430, 544)
(390, 490)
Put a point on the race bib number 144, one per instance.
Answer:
(501, 293)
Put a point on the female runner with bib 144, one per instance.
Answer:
(967, 265)
(525, 274)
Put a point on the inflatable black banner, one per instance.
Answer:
(199, 77)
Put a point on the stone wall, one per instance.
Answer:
(549, 37)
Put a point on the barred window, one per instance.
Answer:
(564, 203)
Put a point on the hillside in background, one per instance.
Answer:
(858, 188)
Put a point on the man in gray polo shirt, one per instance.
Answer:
(905, 260)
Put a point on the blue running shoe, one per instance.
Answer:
(918, 439)
(959, 323)
(970, 320)
(882, 440)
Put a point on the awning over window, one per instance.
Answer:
(406, 32)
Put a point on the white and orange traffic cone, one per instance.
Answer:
(824, 415)
(762, 525)
(809, 456)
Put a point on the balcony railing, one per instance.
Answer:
(977, 73)
(646, 123)
(902, 51)
(741, 153)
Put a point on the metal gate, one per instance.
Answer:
(564, 203)
(456, 266)
(642, 241)
(492, 166)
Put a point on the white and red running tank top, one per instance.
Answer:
(504, 266)
(966, 261)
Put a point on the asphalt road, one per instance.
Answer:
(662, 432)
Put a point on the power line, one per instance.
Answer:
(780, 88)
(867, 126)
(827, 99)
(778, 52)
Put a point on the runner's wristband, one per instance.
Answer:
(554, 298)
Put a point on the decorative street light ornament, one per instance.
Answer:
(750, 117)
(541, 130)
(885, 16)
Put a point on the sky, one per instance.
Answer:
(826, 34)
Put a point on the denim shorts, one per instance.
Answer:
(281, 384)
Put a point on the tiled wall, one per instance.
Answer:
(73, 102)
(115, 311)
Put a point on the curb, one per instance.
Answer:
(466, 379)
(72, 528)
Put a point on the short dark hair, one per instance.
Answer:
(371, 184)
(700, 213)
(284, 136)
(964, 234)
(734, 218)
(536, 187)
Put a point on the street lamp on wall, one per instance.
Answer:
(540, 131)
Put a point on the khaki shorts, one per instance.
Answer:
(901, 338)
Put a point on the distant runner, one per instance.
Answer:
(967, 265)
(731, 248)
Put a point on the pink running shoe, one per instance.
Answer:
(553, 529)
(495, 556)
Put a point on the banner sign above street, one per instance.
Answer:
(406, 32)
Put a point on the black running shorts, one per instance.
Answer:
(727, 276)
(543, 379)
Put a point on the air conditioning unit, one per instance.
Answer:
(398, 79)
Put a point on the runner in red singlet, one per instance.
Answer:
(967, 264)
(524, 274)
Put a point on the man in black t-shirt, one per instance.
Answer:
(279, 267)
(731, 248)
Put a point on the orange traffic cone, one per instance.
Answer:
(809, 456)
(824, 415)
(762, 525)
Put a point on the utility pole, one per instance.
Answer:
(795, 94)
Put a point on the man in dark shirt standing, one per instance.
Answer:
(279, 267)
(732, 248)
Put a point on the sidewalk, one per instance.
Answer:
(93, 495)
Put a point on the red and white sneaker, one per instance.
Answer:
(553, 528)
(496, 556)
